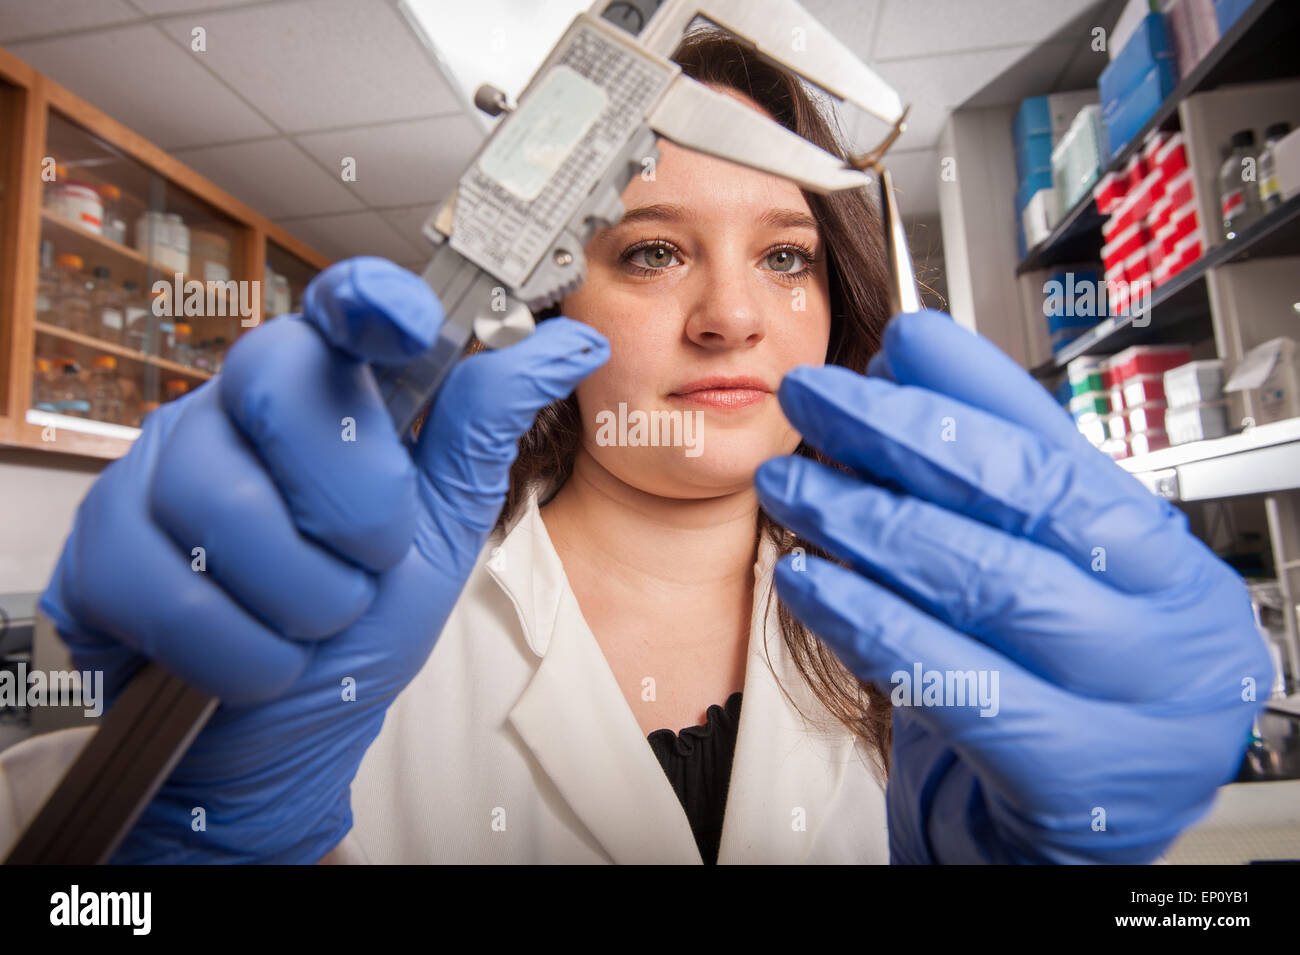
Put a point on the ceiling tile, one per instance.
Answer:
(926, 27)
(933, 86)
(409, 222)
(399, 163)
(853, 22)
(322, 64)
(164, 7)
(356, 233)
(916, 181)
(1037, 68)
(273, 176)
(141, 79)
(30, 18)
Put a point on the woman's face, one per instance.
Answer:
(707, 301)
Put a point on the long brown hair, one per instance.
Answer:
(850, 227)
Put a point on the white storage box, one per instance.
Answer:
(1196, 422)
(1193, 383)
(1272, 372)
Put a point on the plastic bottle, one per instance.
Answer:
(114, 224)
(135, 320)
(183, 349)
(178, 242)
(219, 347)
(72, 310)
(107, 308)
(42, 385)
(47, 284)
(1270, 191)
(1238, 199)
(105, 396)
(71, 396)
(174, 388)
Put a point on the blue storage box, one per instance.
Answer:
(1033, 155)
(1072, 301)
(1033, 118)
(1140, 105)
(1065, 336)
(1149, 47)
(1031, 185)
(1227, 12)
(1063, 393)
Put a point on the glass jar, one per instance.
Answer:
(71, 397)
(151, 236)
(175, 388)
(105, 395)
(107, 308)
(114, 225)
(72, 310)
(43, 385)
(47, 284)
(178, 242)
(183, 347)
(77, 203)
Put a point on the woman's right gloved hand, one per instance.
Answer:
(331, 558)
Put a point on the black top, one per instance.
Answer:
(697, 761)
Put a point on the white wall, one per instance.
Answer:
(977, 211)
(39, 494)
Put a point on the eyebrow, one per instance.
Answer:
(668, 212)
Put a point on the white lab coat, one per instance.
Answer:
(514, 744)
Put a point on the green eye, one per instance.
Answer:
(786, 258)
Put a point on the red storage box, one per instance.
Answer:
(1123, 246)
(1147, 417)
(1181, 189)
(1161, 210)
(1136, 267)
(1135, 170)
(1171, 158)
(1155, 255)
(1148, 360)
(1144, 442)
(1186, 251)
(1151, 146)
(1143, 388)
(1108, 192)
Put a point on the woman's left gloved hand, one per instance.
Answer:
(1112, 661)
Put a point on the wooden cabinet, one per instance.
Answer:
(124, 276)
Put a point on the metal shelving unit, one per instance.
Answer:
(1182, 305)
(1252, 51)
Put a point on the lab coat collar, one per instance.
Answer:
(574, 719)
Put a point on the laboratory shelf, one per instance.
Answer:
(1181, 307)
(93, 344)
(1261, 460)
(1257, 48)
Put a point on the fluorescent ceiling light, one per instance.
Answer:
(501, 42)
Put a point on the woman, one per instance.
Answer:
(608, 643)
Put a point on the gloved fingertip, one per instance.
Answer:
(591, 340)
(373, 310)
(773, 476)
(878, 366)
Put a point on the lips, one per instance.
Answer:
(723, 393)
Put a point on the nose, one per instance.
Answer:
(727, 310)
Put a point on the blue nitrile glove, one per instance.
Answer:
(332, 558)
(1126, 655)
